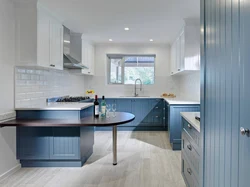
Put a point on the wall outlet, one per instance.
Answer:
(8, 115)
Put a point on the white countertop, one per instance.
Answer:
(179, 101)
(190, 117)
(171, 101)
(58, 106)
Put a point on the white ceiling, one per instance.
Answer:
(100, 20)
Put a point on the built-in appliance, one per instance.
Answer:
(69, 99)
(68, 61)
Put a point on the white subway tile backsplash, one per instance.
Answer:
(20, 70)
(20, 96)
(34, 85)
(25, 77)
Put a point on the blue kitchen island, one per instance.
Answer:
(55, 146)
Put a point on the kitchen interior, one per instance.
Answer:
(142, 56)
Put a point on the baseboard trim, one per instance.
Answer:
(10, 172)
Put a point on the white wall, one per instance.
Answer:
(163, 81)
(189, 86)
(7, 62)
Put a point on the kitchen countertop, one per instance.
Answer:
(119, 119)
(81, 106)
(171, 101)
(190, 117)
(178, 101)
(58, 106)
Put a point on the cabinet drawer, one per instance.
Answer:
(188, 175)
(192, 132)
(190, 153)
(157, 120)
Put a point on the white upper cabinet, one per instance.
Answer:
(39, 36)
(185, 51)
(88, 58)
(56, 44)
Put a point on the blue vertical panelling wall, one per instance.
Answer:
(225, 92)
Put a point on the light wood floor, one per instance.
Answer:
(145, 159)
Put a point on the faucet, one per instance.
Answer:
(136, 94)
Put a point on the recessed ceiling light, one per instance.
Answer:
(110, 40)
(151, 40)
(126, 29)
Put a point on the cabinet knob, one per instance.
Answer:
(179, 69)
(156, 107)
(189, 171)
(189, 147)
(52, 65)
(189, 126)
(244, 131)
(156, 116)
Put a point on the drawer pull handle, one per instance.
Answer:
(189, 171)
(156, 107)
(189, 126)
(189, 147)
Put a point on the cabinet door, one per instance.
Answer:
(173, 58)
(175, 120)
(85, 57)
(140, 108)
(92, 60)
(157, 106)
(182, 51)
(124, 105)
(33, 143)
(56, 44)
(65, 143)
(178, 55)
(43, 39)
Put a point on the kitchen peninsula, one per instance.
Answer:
(60, 135)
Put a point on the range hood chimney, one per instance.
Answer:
(68, 61)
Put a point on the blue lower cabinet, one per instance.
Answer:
(65, 143)
(33, 143)
(124, 105)
(190, 155)
(149, 113)
(175, 122)
(55, 146)
(140, 110)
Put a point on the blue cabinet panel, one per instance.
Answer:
(175, 122)
(149, 113)
(87, 141)
(33, 143)
(140, 110)
(65, 143)
(124, 105)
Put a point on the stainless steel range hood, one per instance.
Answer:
(68, 61)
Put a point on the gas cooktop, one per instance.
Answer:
(72, 99)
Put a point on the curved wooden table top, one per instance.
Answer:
(119, 119)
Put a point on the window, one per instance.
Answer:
(125, 69)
